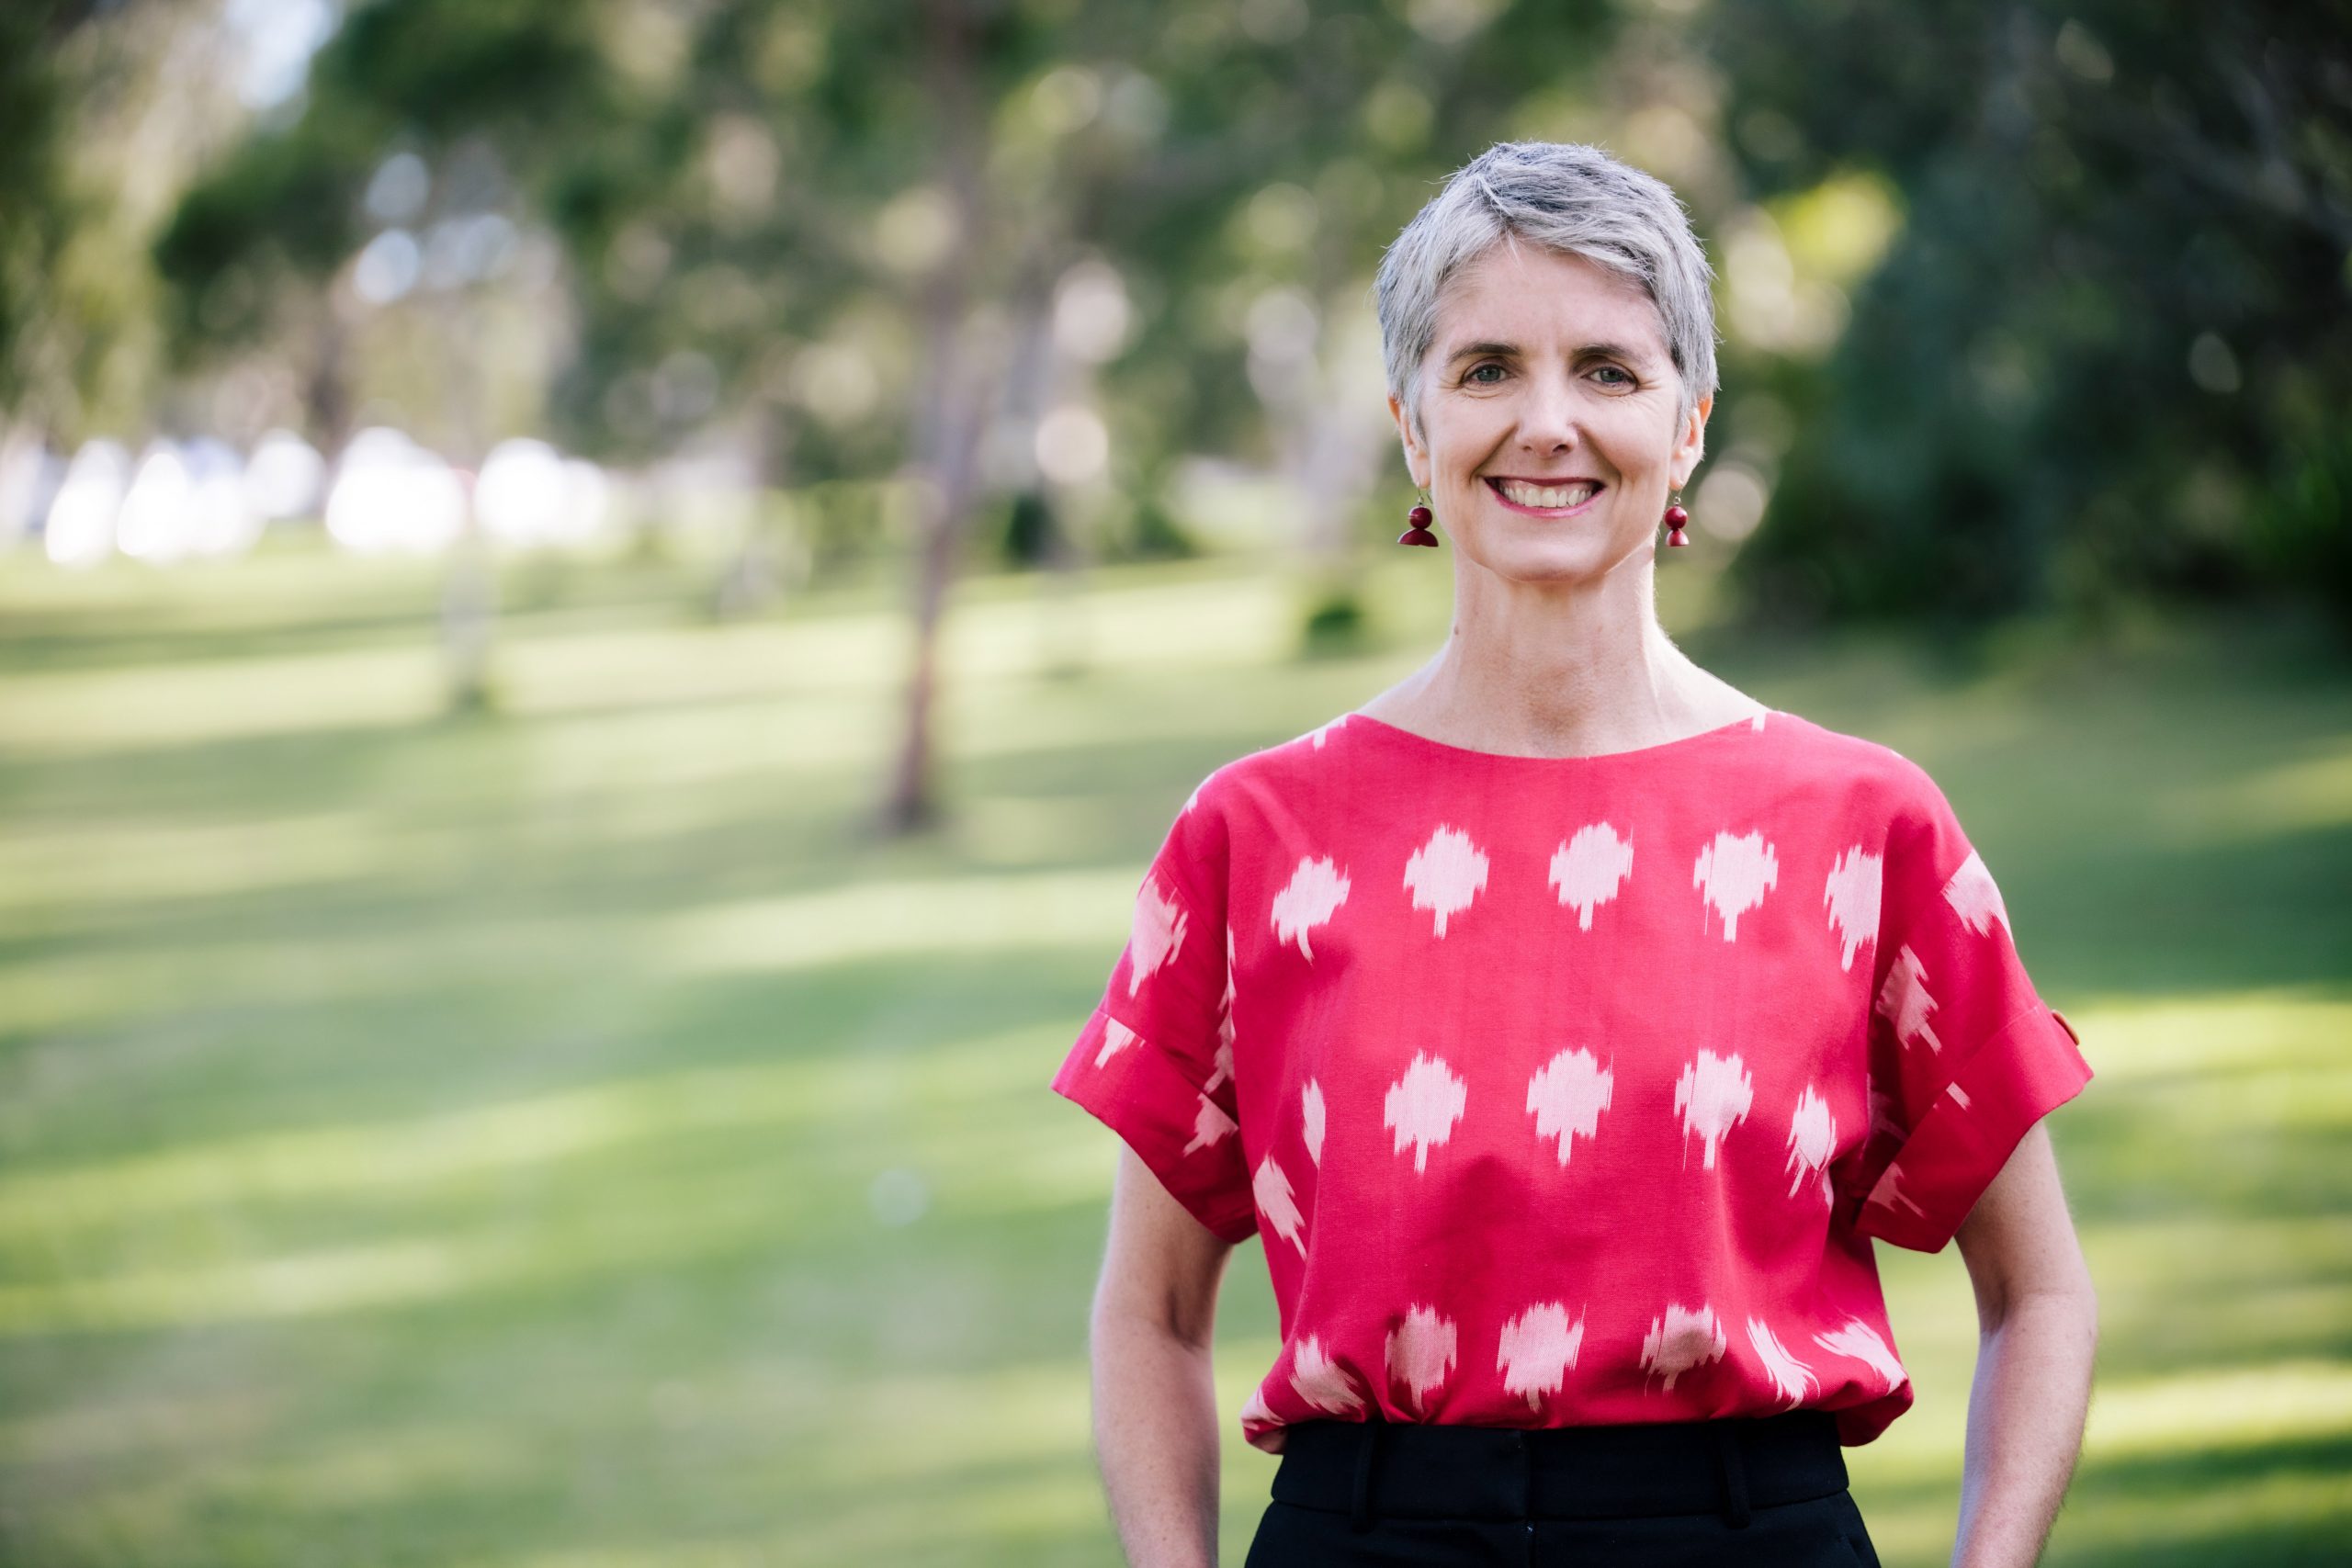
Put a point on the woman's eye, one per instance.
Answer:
(1473, 376)
(1611, 369)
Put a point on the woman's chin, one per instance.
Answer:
(1584, 556)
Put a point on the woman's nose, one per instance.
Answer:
(1547, 420)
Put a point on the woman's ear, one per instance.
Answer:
(1415, 460)
(1693, 443)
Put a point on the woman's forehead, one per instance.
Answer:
(1532, 297)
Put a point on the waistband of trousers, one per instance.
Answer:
(1398, 1469)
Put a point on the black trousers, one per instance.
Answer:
(1764, 1492)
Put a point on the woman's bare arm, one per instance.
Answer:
(2038, 1332)
(1155, 1405)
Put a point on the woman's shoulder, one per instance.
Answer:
(1859, 754)
(1240, 799)
(1289, 758)
(1866, 778)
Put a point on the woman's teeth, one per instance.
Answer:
(1544, 496)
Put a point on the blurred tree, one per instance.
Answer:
(105, 104)
(1074, 265)
(2116, 325)
(420, 114)
(33, 197)
(1069, 265)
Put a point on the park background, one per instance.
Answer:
(602, 602)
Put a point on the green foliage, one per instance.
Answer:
(1334, 622)
(31, 194)
(75, 310)
(2298, 519)
(399, 73)
(727, 180)
(2110, 316)
(1028, 529)
(2120, 278)
(284, 209)
(1155, 533)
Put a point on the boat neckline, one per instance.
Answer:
(1749, 721)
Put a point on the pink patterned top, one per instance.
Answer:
(1570, 1091)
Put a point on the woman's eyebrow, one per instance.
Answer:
(1588, 351)
(1490, 346)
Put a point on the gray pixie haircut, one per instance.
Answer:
(1568, 196)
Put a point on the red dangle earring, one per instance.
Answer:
(1419, 517)
(1675, 518)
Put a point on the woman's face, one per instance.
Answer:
(1548, 405)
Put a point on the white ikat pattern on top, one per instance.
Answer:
(1317, 890)
(1903, 1001)
(1420, 1352)
(1588, 868)
(1889, 1194)
(1446, 874)
(1813, 1139)
(1713, 1094)
(1320, 731)
(1209, 1124)
(1157, 934)
(1680, 1338)
(1321, 1382)
(1853, 893)
(1223, 1065)
(1793, 1378)
(1566, 1096)
(1277, 1204)
(1975, 897)
(1734, 874)
(1117, 1037)
(1856, 1339)
(1538, 1349)
(1423, 1106)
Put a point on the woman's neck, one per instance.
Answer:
(1553, 672)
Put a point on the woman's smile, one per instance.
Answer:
(1557, 498)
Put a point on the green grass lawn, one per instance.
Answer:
(562, 1137)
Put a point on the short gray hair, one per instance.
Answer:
(1568, 196)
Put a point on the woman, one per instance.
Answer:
(1566, 1021)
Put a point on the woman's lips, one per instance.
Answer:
(1597, 492)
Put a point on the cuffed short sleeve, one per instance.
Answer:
(1964, 1055)
(1154, 1061)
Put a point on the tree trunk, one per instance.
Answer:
(326, 391)
(754, 572)
(948, 410)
